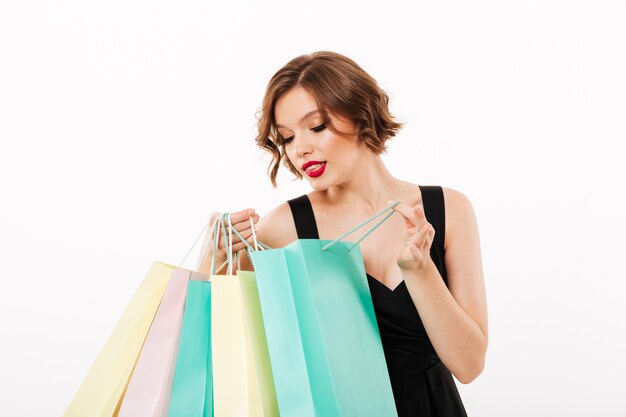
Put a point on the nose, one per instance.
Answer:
(302, 145)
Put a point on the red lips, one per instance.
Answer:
(309, 163)
(315, 172)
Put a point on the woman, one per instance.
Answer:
(327, 120)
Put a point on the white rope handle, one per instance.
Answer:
(230, 243)
(256, 243)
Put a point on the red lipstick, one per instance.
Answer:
(314, 168)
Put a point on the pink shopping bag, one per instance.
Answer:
(150, 386)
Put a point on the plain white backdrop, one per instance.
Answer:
(124, 124)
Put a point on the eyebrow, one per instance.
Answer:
(306, 116)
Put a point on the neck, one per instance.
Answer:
(369, 186)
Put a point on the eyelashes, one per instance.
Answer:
(316, 129)
(319, 128)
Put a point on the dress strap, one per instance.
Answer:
(434, 208)
(303, 217)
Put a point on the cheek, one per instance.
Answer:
(342, 146)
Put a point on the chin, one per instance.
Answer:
(318, 185)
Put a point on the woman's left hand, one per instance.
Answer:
(419, 235)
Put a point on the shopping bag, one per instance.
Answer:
(149, 389)
(241, 388)
(324, 345)
(101, 391)
(192, 389)
(256, 339)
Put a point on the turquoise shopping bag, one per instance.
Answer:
(325, 350)
(192, 389)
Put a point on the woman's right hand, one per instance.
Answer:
(240, 220)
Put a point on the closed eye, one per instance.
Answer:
(316, 129)
(319, 128)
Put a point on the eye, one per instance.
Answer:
(319, 128)
(316, 129)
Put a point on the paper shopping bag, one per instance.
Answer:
(103, 388)
(236, 393)
(192, 390)
(256, 339)
(149, 389)
(324, 345)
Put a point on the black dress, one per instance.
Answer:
(422, 385)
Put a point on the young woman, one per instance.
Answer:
(327, 120)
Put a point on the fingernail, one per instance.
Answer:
(250, 212)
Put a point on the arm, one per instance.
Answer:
(455, 317)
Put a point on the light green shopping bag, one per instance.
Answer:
(192, 389)
(324, 345)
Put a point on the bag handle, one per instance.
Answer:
(328, 245)
(224, 218)
(204, 233)
(228, 242)
(219, 227)
(376, 226)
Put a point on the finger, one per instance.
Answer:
(407, 213)
(428, 240)
(241, 225)
(221, 254)
(245, 223)
(431, 235)
(240, 216)
(247, 235)
(239, 246)
(244, 228)
(419, 239)
(410, 232)
(244, 233)
(423, 232)
(420, 215)
(417, 254)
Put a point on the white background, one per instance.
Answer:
(124, 124)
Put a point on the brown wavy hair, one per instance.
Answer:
(340, 87)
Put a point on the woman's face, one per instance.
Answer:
(324, 158)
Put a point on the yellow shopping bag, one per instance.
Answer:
(256, 339)
(103, 388)
(242, 380)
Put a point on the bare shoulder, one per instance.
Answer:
(459, 213)
(455, 200)
(277, 228)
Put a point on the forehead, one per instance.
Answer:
(294, 107)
